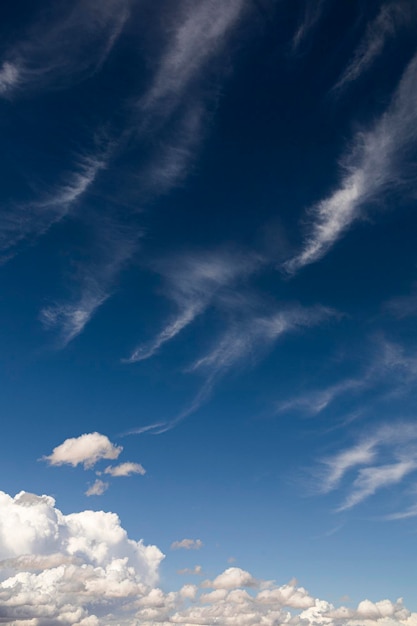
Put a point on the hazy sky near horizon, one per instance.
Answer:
(208, 312)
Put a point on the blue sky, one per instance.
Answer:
(208, 310)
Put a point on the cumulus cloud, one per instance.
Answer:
(125, 469)
(82, 569)
(195, 571)
(61, 568)
(84, 450)
(378, 162)
(187, 544)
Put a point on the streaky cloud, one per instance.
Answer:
(199, 36)
(376, 163)
(192, 282)
(313, 12)
(63, 47)
(30, 220)
(96, 282)
(379, 459)
(392, 17)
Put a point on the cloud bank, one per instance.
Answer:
(82, 569)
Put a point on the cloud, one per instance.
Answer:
(389, 454)
(192, 282)
(84, 450)
(376, 163)
(97, 489)
(82, 569)
(312, 15)
(187, 544)
(68, 566)
(63, 46)
(125, 469)
(392, 17)
(403, 306)
(200, 34)
(196, 571)
(96, 280)
(28, 221)
(232, 578)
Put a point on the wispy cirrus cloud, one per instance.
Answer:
(30, 220)
(380, 459)
(193, 282)
(95, 281)
(380, 160)
(391, 18)
(313, 12)
(63, 46)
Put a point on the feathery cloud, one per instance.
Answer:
(312, 15)
(396, 444)
(392, 17)
(84, 450)
(378, 162)
(192, 283)
(63, 46)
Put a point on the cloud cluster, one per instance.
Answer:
(82, 569)
(87, 450)
(187, 544)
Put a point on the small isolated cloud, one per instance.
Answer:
(195, 571)
(97, 489)
(125, 469)
(187, 544)
(84, 450)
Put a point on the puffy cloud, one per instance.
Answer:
(83, 570)
(125, 469)
(232, 578)
(187, 544)
(55, 567)
(86, 449)
(97, 489)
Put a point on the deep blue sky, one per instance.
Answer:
(207, 311)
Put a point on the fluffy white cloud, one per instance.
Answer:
(86, 449)
(187, 544)
(83, 570)
(125, 469)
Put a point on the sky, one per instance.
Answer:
(208, 311)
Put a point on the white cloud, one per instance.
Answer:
(63, 46)
(371, 168)
(84, 450)
(232, 578)
(199, 35)
(96, 281)
(97, 488)
(82, 569)
(192, 283)
(389, 454)
(125, 469)
(28, 221)
(187, 544)
(68, 566)
(313, 12)
(392, 17)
